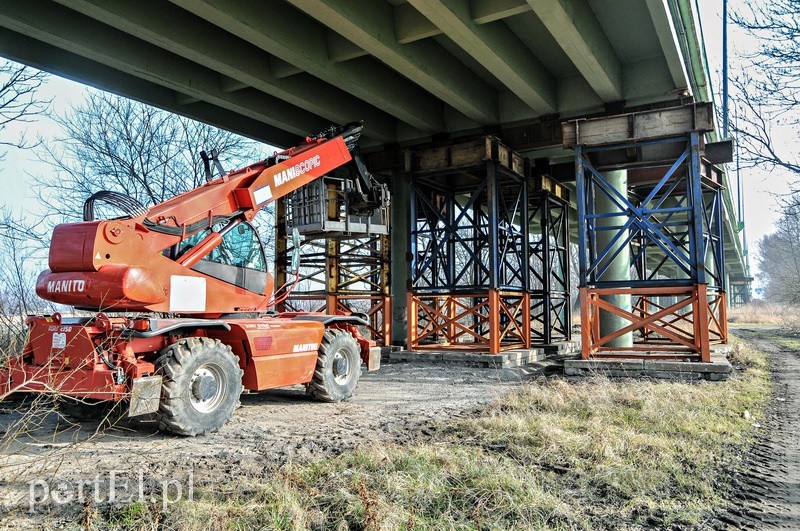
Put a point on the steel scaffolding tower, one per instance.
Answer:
(489, 250)
(340, 272)
(549, 266)
(669, 218)
(739, 291)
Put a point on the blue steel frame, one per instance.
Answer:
(680, 218)
(739, 292)
(549, 268)
(469, 239)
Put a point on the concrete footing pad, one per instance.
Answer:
(504, 360)
(718, 369)
(561, 348)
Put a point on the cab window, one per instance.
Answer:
(240, 247)
(238, 259)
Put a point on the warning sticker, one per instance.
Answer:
(263, 194)
(59, 340)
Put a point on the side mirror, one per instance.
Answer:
(295, 265)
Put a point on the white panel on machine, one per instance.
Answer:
(187, 294)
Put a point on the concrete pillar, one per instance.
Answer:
(399, 230)
(619, 269)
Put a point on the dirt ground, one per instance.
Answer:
(768, 489)
(397, 403)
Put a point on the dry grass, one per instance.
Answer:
(596, 454)
(759, 312)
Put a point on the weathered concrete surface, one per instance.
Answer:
(718, 369)
(507, 359)
(562, 347)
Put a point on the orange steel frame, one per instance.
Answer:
(493, 321)
(342, 276)
(683, 329)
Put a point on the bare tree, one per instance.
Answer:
(768, 89)
(779, 260)
(19, 251)
(19, 99)
(113, 143)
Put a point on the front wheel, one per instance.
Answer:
(338, 367)
(201, 388)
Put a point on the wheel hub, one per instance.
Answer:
(204, 387)
(207, 388)
(340, 368)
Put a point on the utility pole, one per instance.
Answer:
(725, 121)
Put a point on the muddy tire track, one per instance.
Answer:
(767, 490)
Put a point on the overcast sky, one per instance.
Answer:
(759, 187)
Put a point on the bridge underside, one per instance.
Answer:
(415, 71)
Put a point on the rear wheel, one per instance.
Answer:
(338, 367)
(202, 385)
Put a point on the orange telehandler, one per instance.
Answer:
(183, 293)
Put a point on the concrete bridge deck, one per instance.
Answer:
(414, 70)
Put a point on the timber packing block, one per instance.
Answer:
(504, 360)
(718, 369)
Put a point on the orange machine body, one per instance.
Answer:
(130, 264)
(122, 265)
(71, 356)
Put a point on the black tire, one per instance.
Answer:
(191, 403)
(338, 367)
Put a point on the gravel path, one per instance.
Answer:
(769, 489)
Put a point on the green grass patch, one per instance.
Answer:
(552, 455)
(790, 343)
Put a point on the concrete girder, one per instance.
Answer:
(301, 41)
(228, 84)
(53, 59)
(61, 27)
(370, 25)
(184, 99)
(410, 25)
(281, 68)
(485, 11)
(498, 49)
(662, 20)
(241, 64)
(574, 27)
(340, 49)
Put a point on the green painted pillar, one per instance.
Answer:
(399, 231)
(619, 268)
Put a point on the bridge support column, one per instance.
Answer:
(400, 222)
(618, 265)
